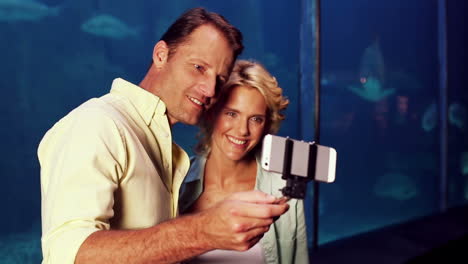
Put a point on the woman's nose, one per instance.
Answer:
(243, 127)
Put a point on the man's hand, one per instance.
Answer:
(236, 223)
(239, 222)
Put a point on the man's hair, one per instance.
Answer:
(252, 75)
(180, 30)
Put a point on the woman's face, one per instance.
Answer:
(239, 125)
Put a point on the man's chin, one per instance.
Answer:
(193, 120)
(191, 123)
(187, 118)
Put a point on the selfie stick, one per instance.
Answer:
(296, 186)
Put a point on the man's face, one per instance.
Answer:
(190, 77)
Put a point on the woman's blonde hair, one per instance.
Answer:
(249, 74)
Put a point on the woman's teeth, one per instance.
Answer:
(237, 141)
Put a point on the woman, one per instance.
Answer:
(229, 161)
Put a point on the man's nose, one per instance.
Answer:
(208, 87)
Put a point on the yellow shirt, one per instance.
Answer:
(108, 164)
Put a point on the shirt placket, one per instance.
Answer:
(166, 142)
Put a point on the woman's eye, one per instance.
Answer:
(232, 114)
(257, 119)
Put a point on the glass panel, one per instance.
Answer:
(379, 110)
(307, 99)
(457, 104)
(56, 58)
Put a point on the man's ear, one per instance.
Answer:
(160, 54)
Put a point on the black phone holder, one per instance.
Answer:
(296, 186)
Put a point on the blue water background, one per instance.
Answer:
(388, 158)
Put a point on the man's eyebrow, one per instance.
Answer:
(259, 115)
(201, 61)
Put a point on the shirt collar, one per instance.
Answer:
(146, 103)
(197, 168)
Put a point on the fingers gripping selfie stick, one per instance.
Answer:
(296, 185)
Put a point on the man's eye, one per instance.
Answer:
(199, 67)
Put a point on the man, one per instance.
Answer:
(110, 175)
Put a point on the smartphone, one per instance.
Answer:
(306, 158)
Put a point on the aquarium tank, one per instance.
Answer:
(392, 97)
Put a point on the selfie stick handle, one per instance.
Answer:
(287, 159)
(296, 186)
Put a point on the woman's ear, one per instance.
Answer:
(160, 54)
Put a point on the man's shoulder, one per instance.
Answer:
(94, 109)
(90, 122)
(93, 114)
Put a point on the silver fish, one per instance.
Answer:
(25, 10)
(105, 25)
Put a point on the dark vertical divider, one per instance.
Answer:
(317, 119)
(443, 98)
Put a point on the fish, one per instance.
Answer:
(25, 10)
(430, 118)
(108, 26)
(372, 62)
(371, 89)
(372, 75)
(457, 115)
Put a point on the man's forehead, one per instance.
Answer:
(204, 30)
(201, 48)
